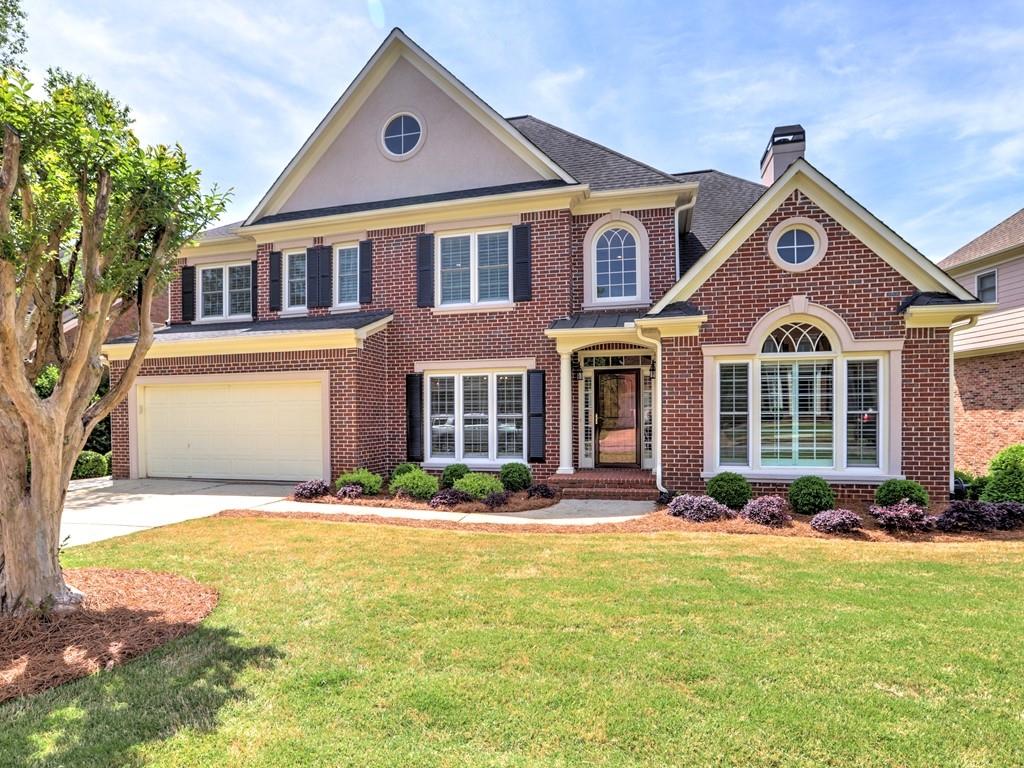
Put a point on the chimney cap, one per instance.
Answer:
(784, 134)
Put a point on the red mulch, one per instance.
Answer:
(125, 614)
(653, 522)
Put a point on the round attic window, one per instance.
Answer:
(797, 244)
(402, 135)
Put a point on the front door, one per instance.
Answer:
(618, 403)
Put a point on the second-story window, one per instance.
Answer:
(295, 281)
(225, 291)
(347, 269)
(473, 268)
(615, 264)
(986, 287)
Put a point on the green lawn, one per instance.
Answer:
(348, 644)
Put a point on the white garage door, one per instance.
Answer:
(233, 430)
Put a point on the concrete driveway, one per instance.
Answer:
(101, 508)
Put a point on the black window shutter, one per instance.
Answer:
(425, 270)
(535, 412)
(366, 271)
(276, 291)
(254, 289)
(313, 277)
(414, 416)
(522, 267)
(324, 271)
(188, 294)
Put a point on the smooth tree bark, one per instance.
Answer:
(89, 222)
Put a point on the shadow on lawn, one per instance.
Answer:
(100, 720)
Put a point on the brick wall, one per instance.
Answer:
(988, 407)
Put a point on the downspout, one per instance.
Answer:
(971, 322)
(682, 209)
(656, 402)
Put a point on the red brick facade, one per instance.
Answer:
(988, 407)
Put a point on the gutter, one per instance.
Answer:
(682, 209)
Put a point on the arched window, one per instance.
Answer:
(796, 337)
(615, 264)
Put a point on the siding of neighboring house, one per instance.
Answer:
(1005, 325)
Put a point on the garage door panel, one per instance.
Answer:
(243, 430)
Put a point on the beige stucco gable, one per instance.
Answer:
(457, 152)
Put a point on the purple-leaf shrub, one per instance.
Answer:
(311, 489)
(837, 521)
(1011, 515)
(698, 509)
(541, 490)
(902, 517)
(350, 492)
(497, 499)
(969, 516)
(766, 510)
(449, 497)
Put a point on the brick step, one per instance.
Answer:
(581, 479)
(622, 494)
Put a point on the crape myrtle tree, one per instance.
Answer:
(91, 221)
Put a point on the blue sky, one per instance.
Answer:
(916, 109)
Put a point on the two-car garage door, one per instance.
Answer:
(246, 430)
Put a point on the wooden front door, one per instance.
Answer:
(618, 407)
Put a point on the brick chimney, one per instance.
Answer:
(785, 147)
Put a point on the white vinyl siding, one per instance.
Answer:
(474, 268)
(476, 417)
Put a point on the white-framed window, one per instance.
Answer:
(985, 286)
(797, 244)
(346, 271)
(225, 291)
(615, 264)
(402, 135)
(295, 280)
(800, 403)
(478, 417)
(473, 268)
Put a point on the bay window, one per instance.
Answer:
(225, 291)
(476, 417)
(474, 268)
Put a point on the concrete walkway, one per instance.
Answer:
(102, 509)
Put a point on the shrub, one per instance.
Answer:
(370, 482)
(452, 474)
(766, 510)
(838, 521)
(479, 485)
(698, 509)
(1006, 458)
(402, 468)
(89, 464)
(415, 483)
(311, 489)
(109, 457)
(515, 476)
(977, 487)
(891, 491)
(665, 497)
(350, 492)
(902, 517)
(1010, 515)
(541, 490)
(1005, 484)
(969, 516)
(499, 499)
(730, 489)
(449, 497)
(809, 495)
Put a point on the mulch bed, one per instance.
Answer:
(125, 614)
(518, 502)
(654, 522)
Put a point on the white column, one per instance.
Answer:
(565, 416)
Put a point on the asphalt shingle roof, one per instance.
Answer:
(1006, 234)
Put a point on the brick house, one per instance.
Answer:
(430, 281)
(988, 396)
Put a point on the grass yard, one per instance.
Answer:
(354, 644)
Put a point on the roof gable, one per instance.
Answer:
(1007, 234)
(413, 79)
(900, 255)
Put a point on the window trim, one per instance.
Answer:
(225, 292)
(336, 302)
(493, 461)
(808, 225)
(995, 284)
(616, 220)
(474, 271)
(286, 308)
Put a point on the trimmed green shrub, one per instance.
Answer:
(810, 494)
(892, 491)
(977, 487)
(479, 485)
(730, 489)
(402, 468)
(1013, 455)
(109, 456)
(415, 483)
(1006, 484)
(453, 473)
(89, 464)
(515, 476)
(370, 482)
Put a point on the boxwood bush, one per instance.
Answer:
(839, 521)
(810, 494)
(766, 510)
(730, 489)
(370, 482)
(1006, 484)
(453, 473)
(89, 464)
(311, 489)
(402, 468)
(479, 485)
(515, 476)
(977, 487)
(892, 491)
(109, 456)
(1006, 458)
(414, 483)
(698, 509)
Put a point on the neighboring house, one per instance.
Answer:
(430, 281)
(989, 356)
(127, 323)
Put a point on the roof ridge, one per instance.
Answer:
(974, 240)
(593, 143)
(721, 173)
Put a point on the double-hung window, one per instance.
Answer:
(346, 268)
(225, 292)
(473, 268)
(476, 417)
(295, 280)
(985, 286)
